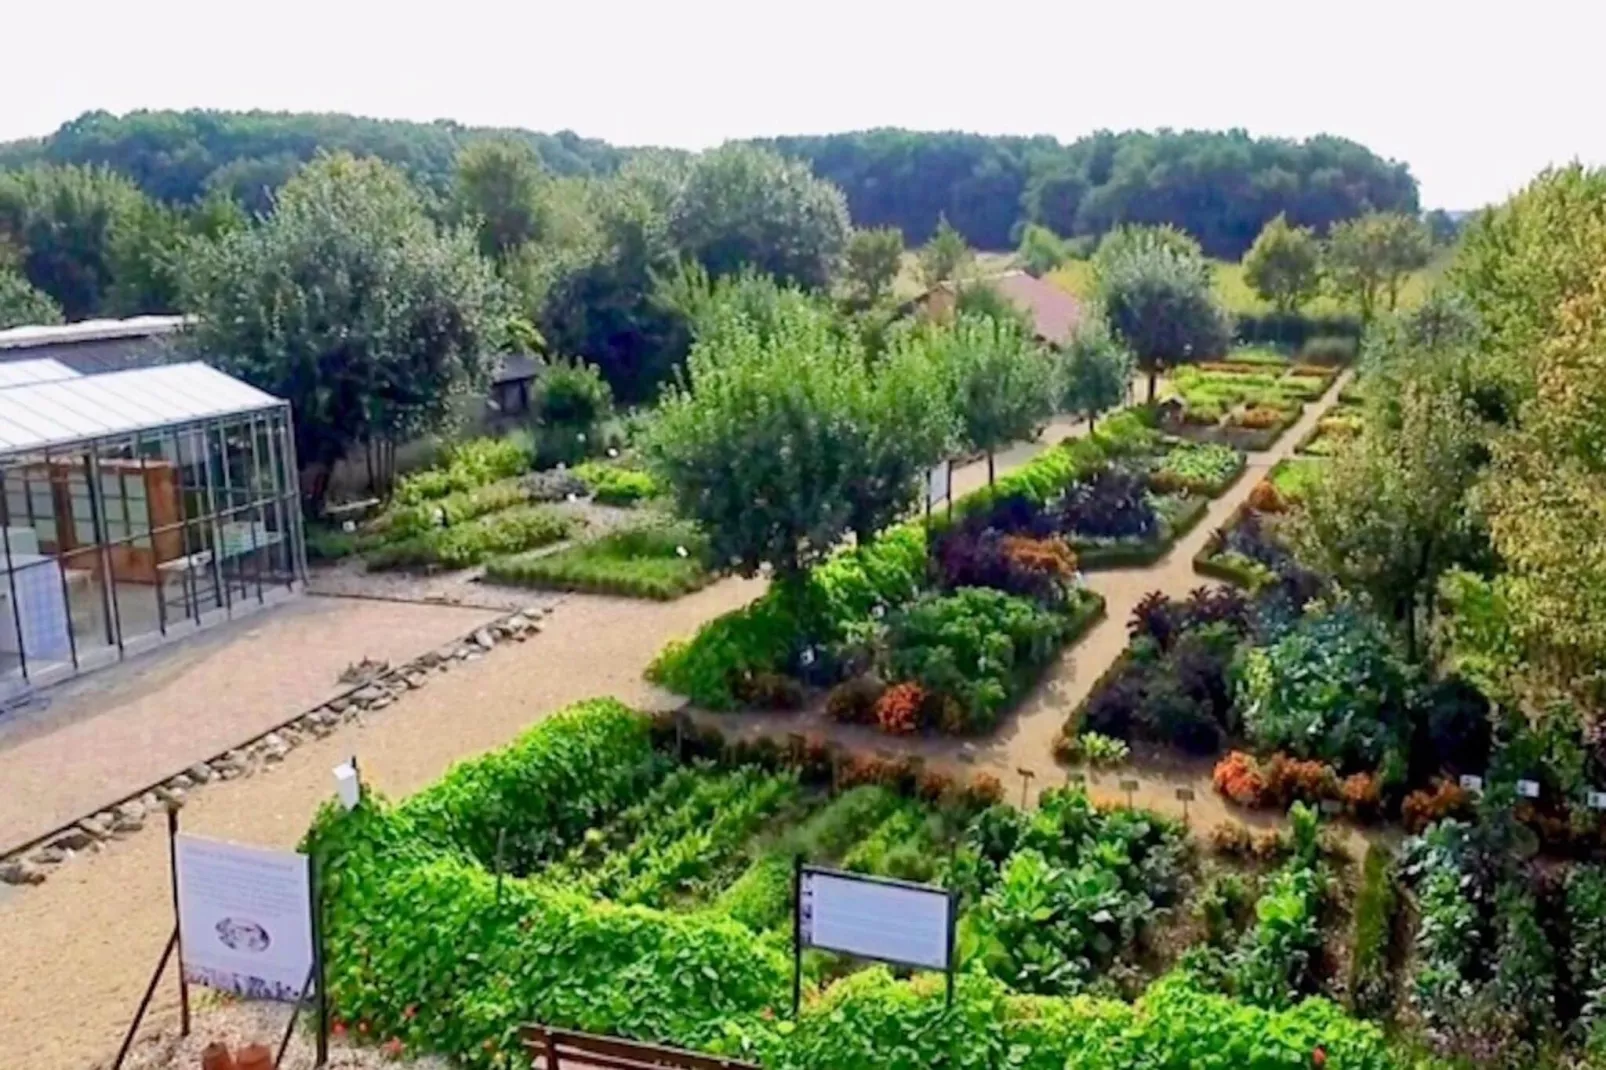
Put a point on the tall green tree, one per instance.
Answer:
(744, 207)
(65, 222)
(1040, 250)
(1052, 198)
(498, 187)
(1130, 239)
(1095, 370)
(1391, 513)
(1000, 383)
(1163, 309)
(871, 264)
(1367, 259)
(781, 440)
(350, 304)
(945, 256)
(1284, 265)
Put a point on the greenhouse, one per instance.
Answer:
(138, 506)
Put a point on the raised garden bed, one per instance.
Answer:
(661, 561)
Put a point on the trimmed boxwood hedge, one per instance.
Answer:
(425, 945)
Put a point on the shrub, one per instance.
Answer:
(1362, 794)
(461, 546)
(468, 465)
(1328, 349)
(854, 701)
(897, 711)
(977, 645)
(1265, 498)
(572, 394)
(660, 561)
(1098, 751)
(1230, 838)
(769, 691)
(1276, 961)
(1238, 777)
(1113, 504)
(404, 521)
(1428, 806)
(611, 484)
(1291, 779)
(1197, 469)
(326, 543)
(1332, 688)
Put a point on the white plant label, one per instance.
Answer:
(886, 920)
(1597, 800)
(1472, 783)
(1528, 789)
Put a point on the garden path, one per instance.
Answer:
(1024, 742)
(75, 952)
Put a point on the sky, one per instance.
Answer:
(1475, 97)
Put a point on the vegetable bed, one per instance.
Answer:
(431, 951)
(659, 561)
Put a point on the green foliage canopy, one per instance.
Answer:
(1284, 264)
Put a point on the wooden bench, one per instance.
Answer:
(557, 1049)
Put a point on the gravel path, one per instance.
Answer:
(76, 951)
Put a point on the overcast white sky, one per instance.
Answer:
(1476, 97)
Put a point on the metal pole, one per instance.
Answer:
(797, 935)
(145, 1001)
(292, 475)
(97, 519)
(295, 1012)
(178, 924)
(11, 581)
(315, 890)
(221, 585)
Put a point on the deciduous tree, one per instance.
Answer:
(780, 441)
(945, 256)
(1000, 383)
(871, 264)
(1095, 371)
(1041, 250)
(1368, 258)
(498, 188)
(1161, 306)
(1284, 265)
(349, 303)
(744, 207)
(21, 305)
(64, 221)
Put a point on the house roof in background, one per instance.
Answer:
(39, 415)
(93, 347)
(1054, 312)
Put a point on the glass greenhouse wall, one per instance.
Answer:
(180, 510)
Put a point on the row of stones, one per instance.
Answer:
(130, 816)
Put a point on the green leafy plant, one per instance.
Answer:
(510, 531)
(660, 561)
(468, 465)
(612, 484)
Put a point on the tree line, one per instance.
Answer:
(1222, 187)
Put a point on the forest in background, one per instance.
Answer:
(1222, 187)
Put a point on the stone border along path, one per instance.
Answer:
(76, 952)
(33, 862)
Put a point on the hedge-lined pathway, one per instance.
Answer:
(76, 952)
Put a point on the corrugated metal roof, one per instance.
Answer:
(38, 415)
(24, 372)
(90, 330)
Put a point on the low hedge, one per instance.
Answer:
(427, 947)
(662, 561)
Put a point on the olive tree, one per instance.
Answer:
(1161, 306)
(350, 304)
(1095, 370)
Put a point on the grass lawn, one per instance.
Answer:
(1076, 276)
(659, 561)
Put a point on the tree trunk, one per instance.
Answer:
(989, 468)
(1152, 377)
(1092, 421)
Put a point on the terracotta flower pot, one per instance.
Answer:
(254, 1057)
(216, 1056)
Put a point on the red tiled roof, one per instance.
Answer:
(1054, 312)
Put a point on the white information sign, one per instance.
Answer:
(892, 921)
(1597, 800)
(939, 483)
(1472, 783)
(245, 918)
(1528, 789)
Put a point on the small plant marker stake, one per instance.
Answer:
(1129, 786)
(1026, 778)
(1185, 796)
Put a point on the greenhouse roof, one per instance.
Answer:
(38, 415)
(23, 372)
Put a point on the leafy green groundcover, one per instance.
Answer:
(661, 561)
(424, 944)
